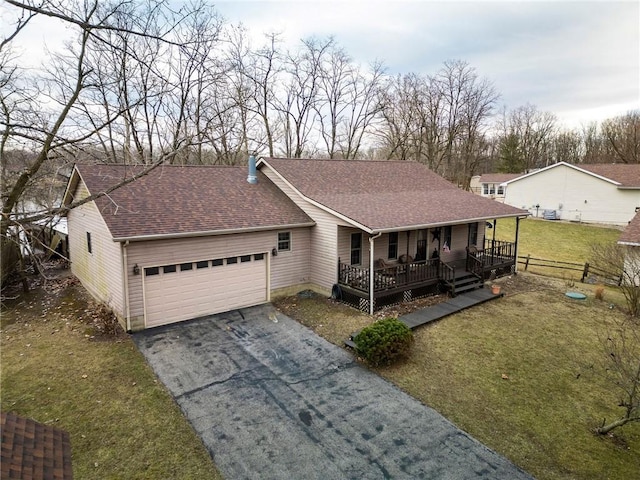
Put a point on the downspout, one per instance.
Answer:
(125, 281)
(268, 255)
(371, 277)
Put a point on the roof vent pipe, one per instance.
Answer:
(252, 178)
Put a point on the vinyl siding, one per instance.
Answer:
(100, 272)
(287, 268)
(574, 195)
(324, 236)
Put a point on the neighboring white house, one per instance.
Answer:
(599, 193)
(491, 185)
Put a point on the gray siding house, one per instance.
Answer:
(189, 241)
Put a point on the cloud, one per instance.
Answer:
(562, 56)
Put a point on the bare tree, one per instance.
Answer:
(533, 131)
(622, 134)
(622, 350)
(64, 112)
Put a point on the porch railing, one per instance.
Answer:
(497, 252)
(396, 276)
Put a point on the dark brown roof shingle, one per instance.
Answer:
(631, 233)
(384, 195)
(626, 174)
(498, 177)
(184, 200)
(32, 450)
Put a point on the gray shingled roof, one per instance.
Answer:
(631, 234)
(184, 200)
(388, 194)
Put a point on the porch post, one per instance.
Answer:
(515, 270)
(371, 273)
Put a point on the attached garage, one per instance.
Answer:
(182, 242)
(177, 292)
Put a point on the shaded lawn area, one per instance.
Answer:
(541, 417)
(122, 422)
(555, 240)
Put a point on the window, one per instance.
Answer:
(492, 189)
(421, 246)
(356, 248)
(485, 188)
(393, 245)
(232, 260)
(473, 234)
(284, 241)
(89, 249)
(168, 269)
(151, 271)
(500, 190)
(245, 258)
(217, 262)
(202, 264)
(186, 266)
(258, 256)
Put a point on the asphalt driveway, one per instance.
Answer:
(272, 400)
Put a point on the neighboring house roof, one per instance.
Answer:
(620, 174)
(186, 201)
(627, 175)
(631, 234)
(385, 195)
(498, 177)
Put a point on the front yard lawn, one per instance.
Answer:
(542, 415)
(121, 420)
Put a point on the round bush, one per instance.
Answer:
(384, 341)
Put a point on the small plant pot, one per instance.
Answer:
(495, 289)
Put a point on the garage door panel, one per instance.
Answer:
(181, 295)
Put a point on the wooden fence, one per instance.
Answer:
(585, 268)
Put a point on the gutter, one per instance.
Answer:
(444, 224)
(371, 276)
(211, 233)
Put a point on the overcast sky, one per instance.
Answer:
(577, 59)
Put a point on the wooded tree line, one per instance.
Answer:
(142, 83)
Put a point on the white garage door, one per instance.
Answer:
(182, 291)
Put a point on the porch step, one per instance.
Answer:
(465, 283)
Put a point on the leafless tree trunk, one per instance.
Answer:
(623, 136)
(622, 350)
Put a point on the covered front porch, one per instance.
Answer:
(462, 259)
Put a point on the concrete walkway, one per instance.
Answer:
(435, 312)
(272, 400)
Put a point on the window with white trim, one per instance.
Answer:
(356, 248)
(284, 241)
(392, 253)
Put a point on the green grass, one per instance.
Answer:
(543, 415)
(121, 420)
(552, 240)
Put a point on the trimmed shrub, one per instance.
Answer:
(384, 341)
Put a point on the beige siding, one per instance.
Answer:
(287, 268)
(574, 195)
(100, 272)
(324, 236)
